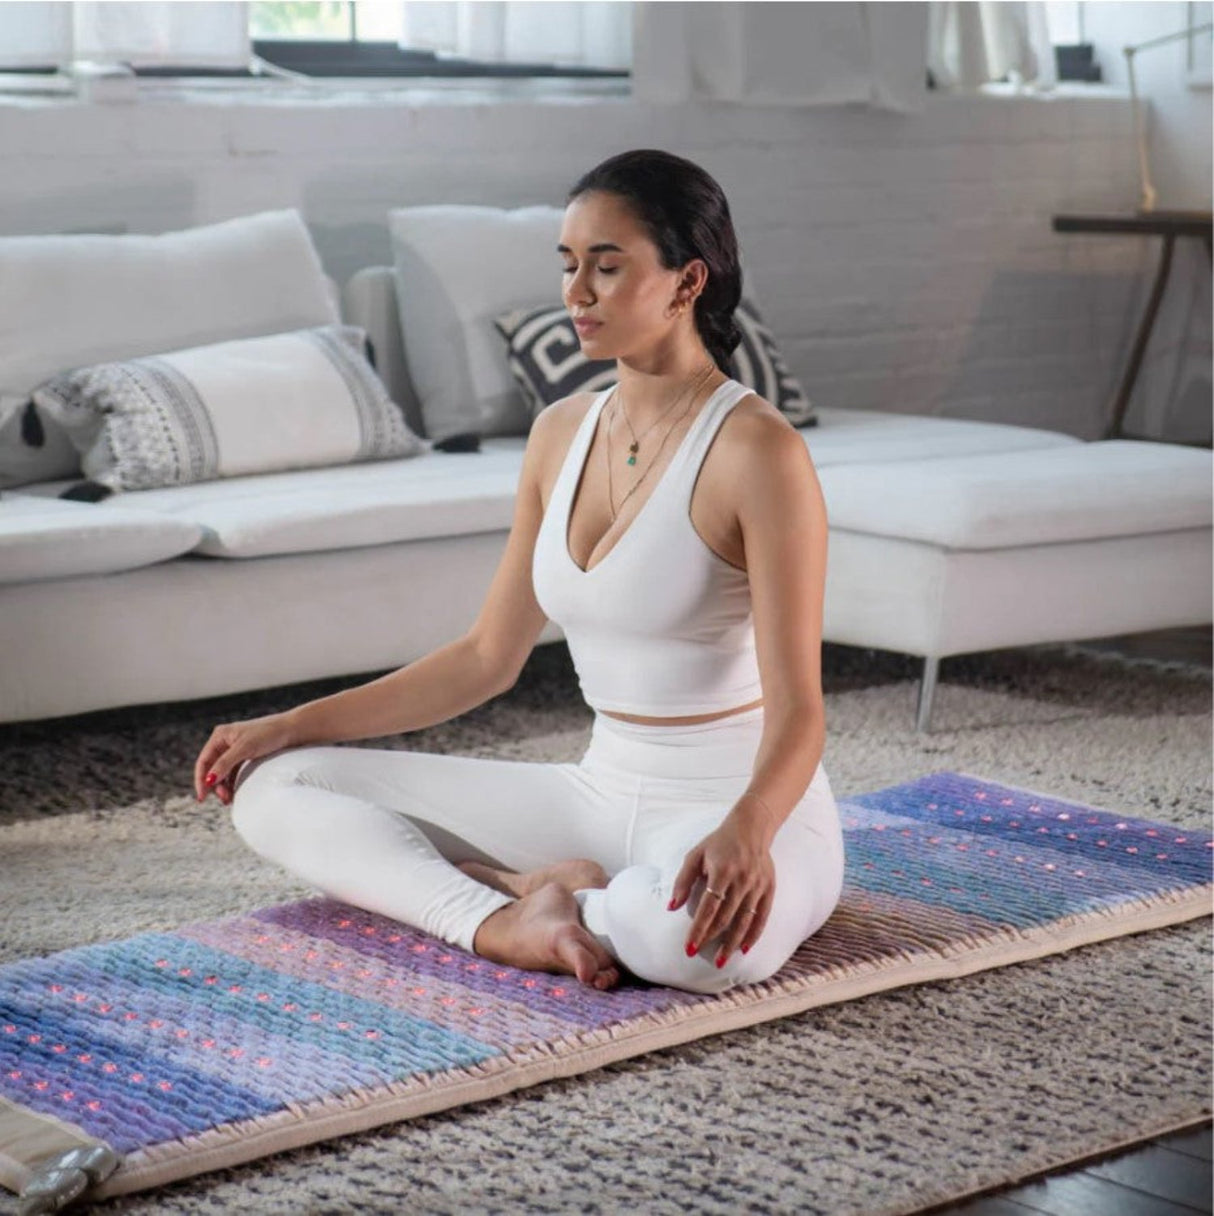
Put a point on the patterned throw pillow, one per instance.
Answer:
(547, 361)
(32, 446)
(253, 405)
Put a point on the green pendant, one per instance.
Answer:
(632, 460)
(632, 447)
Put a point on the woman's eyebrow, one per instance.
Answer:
(602, 247)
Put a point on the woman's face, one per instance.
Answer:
(612, 275)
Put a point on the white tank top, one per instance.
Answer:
(661, 625)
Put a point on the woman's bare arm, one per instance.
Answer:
(470, 670)
(440, 685)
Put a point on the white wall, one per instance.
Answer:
(904, 262)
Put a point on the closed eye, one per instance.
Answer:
(604, 269)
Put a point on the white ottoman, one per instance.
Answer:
(946, 556)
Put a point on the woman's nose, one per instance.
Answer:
(576, 292)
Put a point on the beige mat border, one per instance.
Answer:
(300, 1124)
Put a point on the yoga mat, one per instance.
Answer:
(230, 1039)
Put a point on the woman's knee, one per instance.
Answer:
(257, 785)
(651, 941)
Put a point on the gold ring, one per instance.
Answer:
(715, 894)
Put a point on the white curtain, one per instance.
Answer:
(570, 33)
(146, 34)
(972, 42)
(777, 54)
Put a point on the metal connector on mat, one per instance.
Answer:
(66, 1177)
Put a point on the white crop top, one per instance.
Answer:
(661, 625)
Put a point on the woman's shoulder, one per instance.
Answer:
(751, 403)
(755, 426)
(561, 417)
(552, 432)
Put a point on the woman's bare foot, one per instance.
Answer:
(543, 931)
(575, 875)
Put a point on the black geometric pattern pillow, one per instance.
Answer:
(545, 356)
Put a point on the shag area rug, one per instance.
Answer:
(885, 1104)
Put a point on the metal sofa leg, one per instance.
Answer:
(927, 689)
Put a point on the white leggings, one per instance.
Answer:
(382, 830)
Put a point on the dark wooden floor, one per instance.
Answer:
(1170, 1176)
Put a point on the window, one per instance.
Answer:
(1065, 21)
(371, 38)
(325, 37)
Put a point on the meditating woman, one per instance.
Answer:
(674, 527)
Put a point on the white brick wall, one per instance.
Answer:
(905, 262)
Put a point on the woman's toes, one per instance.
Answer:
(608, 977)
(587, 873)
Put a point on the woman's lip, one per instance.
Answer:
(586, 326)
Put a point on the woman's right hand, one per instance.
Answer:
(230, 744)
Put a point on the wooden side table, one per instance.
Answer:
(1169, 225)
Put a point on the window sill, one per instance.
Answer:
(1064, 88)
(32, 91)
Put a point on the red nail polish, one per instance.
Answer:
(720, 960)
(691, 949)
(670, 906)
(745, 948)
(212, 778)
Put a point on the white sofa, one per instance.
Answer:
(946, 536)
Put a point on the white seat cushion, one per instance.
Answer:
(43, 538)
(450, 493)
(861, 436)
(433, 495)
(1110, 488)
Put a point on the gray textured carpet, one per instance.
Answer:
(887, 1104)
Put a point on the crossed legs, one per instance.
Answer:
(383, 830)
(546, 866)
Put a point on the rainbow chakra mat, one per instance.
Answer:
(129, 1064)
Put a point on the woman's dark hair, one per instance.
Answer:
(686, 215)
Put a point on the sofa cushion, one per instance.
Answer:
(861, 436)
(429, 497)
(1110, 488)
(546, 360)
(457, 267)
(76, 299)
(285, 401)
(43, 538)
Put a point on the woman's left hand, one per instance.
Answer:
(736, 861)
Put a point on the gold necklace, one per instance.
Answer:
(635, 445)
(695, 388)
